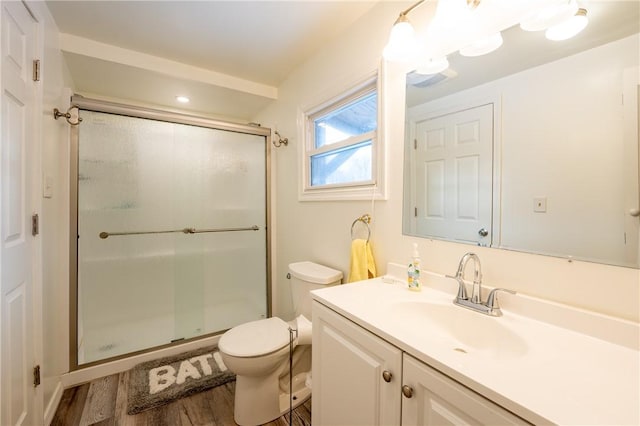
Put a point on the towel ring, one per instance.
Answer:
(366, 219)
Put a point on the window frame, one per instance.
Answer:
(375, 188)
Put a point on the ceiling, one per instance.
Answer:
(229, 57)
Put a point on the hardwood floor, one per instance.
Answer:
(103, 402)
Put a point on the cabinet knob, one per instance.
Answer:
(407, 391)
(386, 375)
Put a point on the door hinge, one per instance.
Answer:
(415, 212)
(415, 144)
(35, 224)
(36, 70)
(36, 376)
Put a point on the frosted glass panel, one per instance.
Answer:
(145, 290)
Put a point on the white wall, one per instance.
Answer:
(319, 231)
(577, 117)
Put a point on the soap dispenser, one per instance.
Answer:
(413, 273)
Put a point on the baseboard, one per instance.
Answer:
(85, 375)
(52, 406)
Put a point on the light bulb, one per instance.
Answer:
(569, 28)
(550, 16)
(402, 43)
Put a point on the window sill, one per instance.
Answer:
(367, 192)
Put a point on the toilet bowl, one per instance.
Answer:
(258, 352)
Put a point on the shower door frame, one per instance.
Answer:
(87, 104)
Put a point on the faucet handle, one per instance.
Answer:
(492, 301)
(462, 289)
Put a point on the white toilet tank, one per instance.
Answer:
(307, 276)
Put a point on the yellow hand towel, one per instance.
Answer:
(363, 266)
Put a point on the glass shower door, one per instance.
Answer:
(166, 243)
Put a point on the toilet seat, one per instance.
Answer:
(255, 338)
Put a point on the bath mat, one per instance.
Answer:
(160, 381)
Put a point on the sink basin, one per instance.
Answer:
(470, 332)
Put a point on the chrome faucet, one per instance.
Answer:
(476, 293)
(490, 307)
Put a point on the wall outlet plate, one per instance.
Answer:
(540, 204)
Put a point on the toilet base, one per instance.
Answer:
(261, 401)
(301, 393)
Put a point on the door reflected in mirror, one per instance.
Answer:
(533, 147)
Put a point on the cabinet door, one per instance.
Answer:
(349, 364)
(438, 400)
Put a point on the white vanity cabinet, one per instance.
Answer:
(351, 367)
(431, 398)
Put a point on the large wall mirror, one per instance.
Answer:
(533, 147)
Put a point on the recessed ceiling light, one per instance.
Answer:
(182, 99)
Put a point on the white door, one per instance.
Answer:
(356, 375)
(453, 174)
(18, 161)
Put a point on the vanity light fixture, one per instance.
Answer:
(550, 16)
(182, 99)
(568, 28)
(402, 44)
(483, 46)
(562, 19)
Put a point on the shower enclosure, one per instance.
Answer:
(170, 215)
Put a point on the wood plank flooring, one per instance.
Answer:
(103, 402)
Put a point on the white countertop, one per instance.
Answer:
(544, 374)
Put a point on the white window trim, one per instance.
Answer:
(374, 189)
(353, 140)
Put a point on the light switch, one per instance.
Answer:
(540, 204)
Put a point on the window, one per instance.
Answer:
(342, 148)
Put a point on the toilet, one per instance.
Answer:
(258, 352)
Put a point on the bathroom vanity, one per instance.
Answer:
(383, 355)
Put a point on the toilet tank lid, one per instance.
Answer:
(314, 273)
